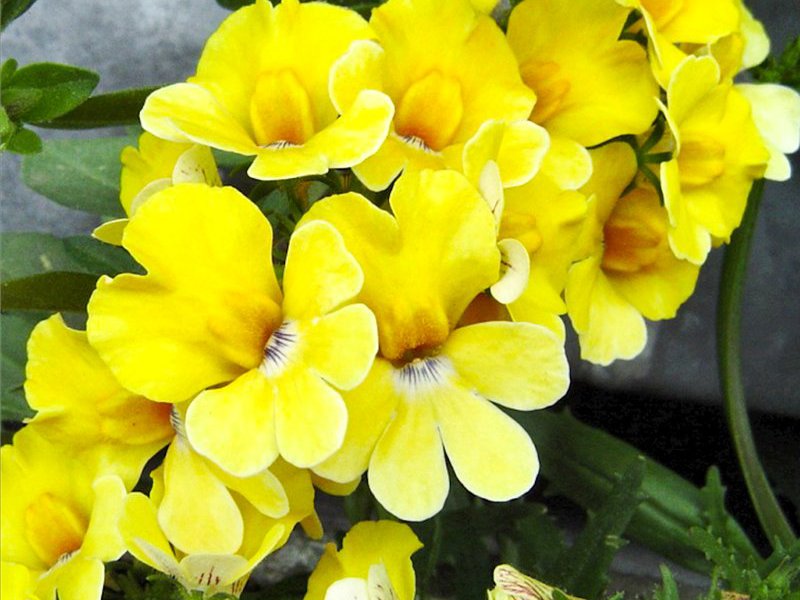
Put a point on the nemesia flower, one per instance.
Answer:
(261, 89)
(82, 408)
(58, 522)
(510, 584)
(590, 85)
(209, 312)
(374, 563)
(448, 69)
(630, 272)
(718, 154)
(205, 566)
(434, 384)
(154, 166)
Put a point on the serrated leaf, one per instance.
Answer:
(78, 173)
(57, 291)
(104, 110)
(582, 569)
(62, 88)
(12, 9)
(15, 328)
(24, 141)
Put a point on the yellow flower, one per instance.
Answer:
(776, 113)
(718, 154)
(630, 273)
(261, 89)
(81, 406)
(448, 69)
(374, 563)
(201, 563)
(590, 85)
(209, 320)
(156, 165)
(434, 384)
(58, 522)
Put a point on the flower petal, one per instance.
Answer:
(143, 536)
(198, 513)
(342, 345)
(311, 418)
(518, 365)
(186, 112)
(320, 273)
(360, 68)
(407, 473)
(234, 426)
(203, 313)
(491, 454)
(369, 408)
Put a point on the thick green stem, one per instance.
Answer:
(734, 267)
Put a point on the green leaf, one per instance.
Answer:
(234, 4)
(29, 253)
(580, 461)
(18, 101)
(7, 128)
(104, 110)
(80, 174)
(784, 69)
(24, 141)
(6, 71)
(539, 542)
(669, 589)
(57, 291)
(15, 328)
(582, 569)
(12, 9)
(63, 87)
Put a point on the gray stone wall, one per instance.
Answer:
(148, 42)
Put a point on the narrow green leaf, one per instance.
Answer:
(56, 291)
(583, 568)
(80, 174)
(669, 589)
(15, 328)
(99, 258)
(62, 87)
(539, 543)
(11, 10)
(580, 461)
(6, 71)
(104, 110)
(24, 141)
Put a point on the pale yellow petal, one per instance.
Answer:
(514, 271)
(380, 169)
(320, 273)
(687, 239)
(407, 472)
(234, 426)
(143, 536)
(518, 365)
(198, 513)
(567, 163)
(342, 345)
(110, 232)
(369, 408)
(186, 112)
(492, 456)
(361, 68)
(103, 540)
(608, 326)
(263, 490)
(79, 578)
(311, 418)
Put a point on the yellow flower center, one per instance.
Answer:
(543, 77)
(280, 110)
(134, 421)
(521, 227)
(430, 111)
(635, 235)
(53, 528)
(700, 161)
(421, 374)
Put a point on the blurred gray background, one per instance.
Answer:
(150, 42)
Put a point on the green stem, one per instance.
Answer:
(734, 266)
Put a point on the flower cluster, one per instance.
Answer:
(583, 162)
